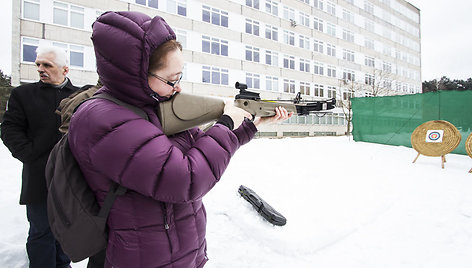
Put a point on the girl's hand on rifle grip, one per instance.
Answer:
(236, 114)
(281, 114)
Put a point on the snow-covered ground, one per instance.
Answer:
(347, 204)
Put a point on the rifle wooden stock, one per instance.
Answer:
(184, 111)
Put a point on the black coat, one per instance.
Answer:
(30, 130)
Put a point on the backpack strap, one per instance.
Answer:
(133, 108)
(113, 193)
(115, 188)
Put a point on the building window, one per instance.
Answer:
(305, 88)
(252, 54)
(369, 79)
(331, 71)
(348, 16)
(68, 15)
(318, 68)
(331, 50)
(318, 4)
(369, 25)
(331, 92)
(331, 8)
(369, 61)
(387, 67)
(304, 42)
(214, 46)
(253, 80)
(289, 38)
(347, 95)
(318, 46)
(318, 90)
(29, 46)
(331, 29)
(304, 19)
(289, 13)
(252, 3)
(75, 53)
(348, 35)
(214, 75)
(215, 16)
(369, 43)
(318, 24)
(149, 3)
(289, 86)
(272, 7)
(289, 62)
(369, 7)
(181, 37)
(349, 75)
(272, 58)
(272, 83)
(304, 65)
(177, 7)
(387, 50)
(252, 27)
(31, 9)
(348, 55)
(76, 56)
(272, 33)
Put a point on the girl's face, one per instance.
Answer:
(160, 81)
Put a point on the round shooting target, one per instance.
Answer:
(434, 136)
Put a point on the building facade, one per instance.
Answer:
(321, 48)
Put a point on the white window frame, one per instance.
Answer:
(253, 27)
(273, 56)
(272, 32)
(272, 7)
(30, 5)
(272, 83)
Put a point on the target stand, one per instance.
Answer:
(468, 147)
(435, 138)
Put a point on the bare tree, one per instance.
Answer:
(377, 83)
(347, 90)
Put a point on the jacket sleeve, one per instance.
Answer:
(14, 131)
(137, 155)
(245, 132)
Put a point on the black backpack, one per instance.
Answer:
(75, 218)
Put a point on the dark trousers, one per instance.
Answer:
(43, 249)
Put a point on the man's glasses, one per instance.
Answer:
(172, 84)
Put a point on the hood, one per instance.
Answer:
(123, 42)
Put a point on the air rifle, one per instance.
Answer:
(184, 111)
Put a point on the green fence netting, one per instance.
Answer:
(392, 119)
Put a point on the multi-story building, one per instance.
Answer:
(320, 48)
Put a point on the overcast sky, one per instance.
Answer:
(445, 31)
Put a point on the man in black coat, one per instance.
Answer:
(30, 130)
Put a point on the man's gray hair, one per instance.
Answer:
(61, 59)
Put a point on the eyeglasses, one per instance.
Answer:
(172, 84)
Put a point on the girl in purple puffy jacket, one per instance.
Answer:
(160, 221)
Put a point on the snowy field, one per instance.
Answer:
(348, 204)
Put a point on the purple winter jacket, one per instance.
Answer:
(160, 221)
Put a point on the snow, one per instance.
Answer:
(347, 204)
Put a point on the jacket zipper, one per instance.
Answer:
(59, 208)
(166, 225)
